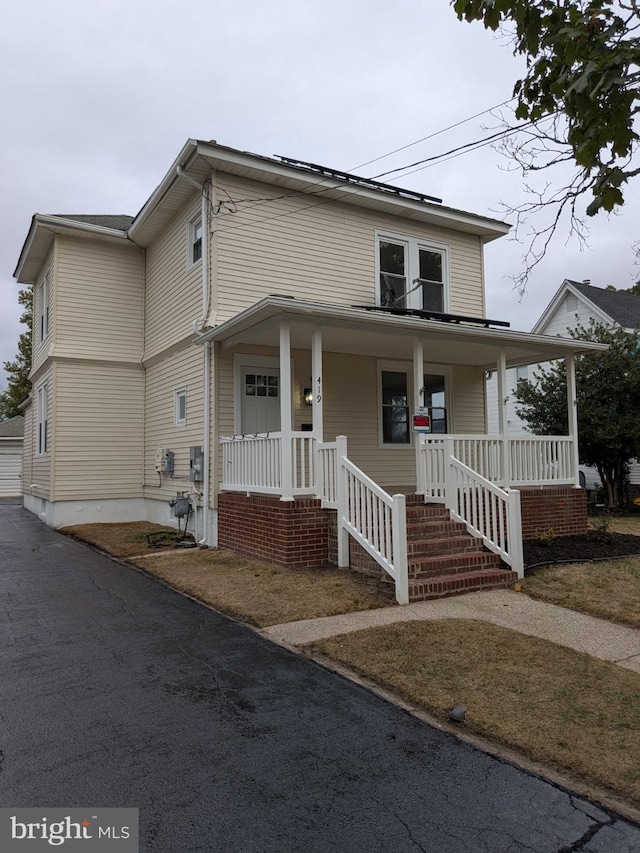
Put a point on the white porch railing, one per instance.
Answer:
(375, 519)
(487, 511)
(529, 460)
(253, 463)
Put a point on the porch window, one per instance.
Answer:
(434, 400)
(260, 385)
(395, 408)
(412, 273)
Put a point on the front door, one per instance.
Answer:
(260, 411)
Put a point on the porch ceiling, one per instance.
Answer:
(359, 332)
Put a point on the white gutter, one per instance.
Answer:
(198, 325)
(206, 446)
(271, 306)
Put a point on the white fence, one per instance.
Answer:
(529, 461)
(258, 463)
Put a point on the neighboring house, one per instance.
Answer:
(11, 433)
(575, 303)
(218, 345)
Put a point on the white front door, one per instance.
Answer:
(260, 400)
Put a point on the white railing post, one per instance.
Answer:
(399, 528)
(449, 477)
(342, 502)
(286, 450)
(572, 405)
(514, 532)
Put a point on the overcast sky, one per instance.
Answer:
(98, 97)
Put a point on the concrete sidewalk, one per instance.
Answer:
(504, 607)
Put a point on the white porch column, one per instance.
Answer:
(418, 400)
(502, 417)
(316, 384)
(286, 413)
(572, 405)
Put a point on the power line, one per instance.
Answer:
(258, 202)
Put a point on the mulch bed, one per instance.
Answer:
(579, 548)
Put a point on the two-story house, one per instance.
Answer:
(293, 350)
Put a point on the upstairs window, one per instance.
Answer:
(194, 241)
(412, 274)
(44, 307)
(42, 434)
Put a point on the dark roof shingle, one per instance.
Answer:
(13, 428)
(622, 307)
(120, 222)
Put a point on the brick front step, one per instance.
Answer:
(450, 564)
(434, 529)
(459, 583)
(417, 548)
(427, 512)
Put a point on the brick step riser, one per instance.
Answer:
(428, 513)
(438, 566)
(441, 547)
(453, 530)
(458, 590)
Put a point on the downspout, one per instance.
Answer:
(198, 325)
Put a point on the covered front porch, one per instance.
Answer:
(352, 432)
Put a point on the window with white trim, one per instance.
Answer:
(194, 240)
(180, 402)
(412, 273)
(44, 297)
(42, 430)
(394, 400)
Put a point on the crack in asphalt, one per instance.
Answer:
(409, 832)
(586, 837)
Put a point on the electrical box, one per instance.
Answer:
(165, 461)
(180, 505)
(196, 464)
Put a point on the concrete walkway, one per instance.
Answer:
(514, 610)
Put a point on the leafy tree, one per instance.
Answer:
(579, 99)
(607, 390)
(635, 289)
(19, 386)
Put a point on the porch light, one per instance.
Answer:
(307, 396)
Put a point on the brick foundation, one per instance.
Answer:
(290, 533)
(560, 511)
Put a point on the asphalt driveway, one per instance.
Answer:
(116, 691)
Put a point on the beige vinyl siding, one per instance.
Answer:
(99, 307)
(468, 400)
(28, 448)
(42, 349)
(173, 288)
(42, 468)
(98, 430)
(182, 369)
(350, 386)
(322, 251)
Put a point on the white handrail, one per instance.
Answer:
(253, 463)
(375, 519)
(487, 511)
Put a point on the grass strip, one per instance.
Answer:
(559, 707)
